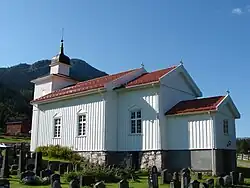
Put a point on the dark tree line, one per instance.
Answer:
(243, 145)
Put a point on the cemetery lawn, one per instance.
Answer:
(13, 139)
(14, 183)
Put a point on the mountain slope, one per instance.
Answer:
(16, 90)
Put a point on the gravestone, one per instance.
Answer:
(193, 184)
(46, 173)
(210, 182)
(220, 181)
(77, 167)
(55, 177)
(21, 161)
(199, 176)
(176, 180)
(56, 184)
(227, 180)
(74, 184)
(69, 167)
(176, 176)
(166, 177)
(61, 169)
(4, 183)
(5, 171)
(172, 185)
(99, 185)
(153, 178)
(235, 177)
(185, 179)
(13, 167)
(241, 179)
(38, 163)
(123, 184)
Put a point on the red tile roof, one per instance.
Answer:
(196, 105)
(99, 83)
(150, 77)
(96, 83)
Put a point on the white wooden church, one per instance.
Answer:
(137, 117)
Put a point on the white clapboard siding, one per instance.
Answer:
(94, 108)
(147, 101)
(189, 132)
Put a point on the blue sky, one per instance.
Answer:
(212, 37)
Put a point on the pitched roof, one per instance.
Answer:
(149, 77)
(196, 105)
(96, 83)
(99, 83)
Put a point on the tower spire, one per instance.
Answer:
(62, 49)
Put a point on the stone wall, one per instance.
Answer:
(151, 158)
(96, 157)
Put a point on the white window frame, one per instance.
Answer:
(225, 127)
(58, 134)
(136, 119)
(84, 123)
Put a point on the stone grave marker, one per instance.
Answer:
(13, 167)
(4, 183)
(21, 161)
(193, 184)
(199, 176)
(153, 178)
(185, 179)
(241, 179)
(55, 177)
(69, 167)
(123, 184)
(77, 167)
(38, 163)
(46, 173)
(227, 180)
(220, 181)
(235, 177)
(56, 184)
(5, 171)
(166, 177)
(172, 185)
(176, 180)
(61, 168)
(99, 185)
(210, 182)
(74, 184)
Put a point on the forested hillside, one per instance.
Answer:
(16, 90)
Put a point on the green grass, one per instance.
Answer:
(142, 183)
(12, 139)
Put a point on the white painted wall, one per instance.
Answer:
(59, 83)
(189, 132)
(43, 88)
(60, 68)
(93, 105)
(173, 89)
(111, 121)
(222, 139)
(147, 100)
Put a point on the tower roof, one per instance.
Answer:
(61, 57)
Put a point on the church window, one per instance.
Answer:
(57, 127)
(82, 125)
(225, 126)
(136, 122)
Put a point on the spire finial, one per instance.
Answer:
(228, 92)
(142, 65)
(181, 62)
(62, 41)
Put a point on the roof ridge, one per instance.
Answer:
(170, 67)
